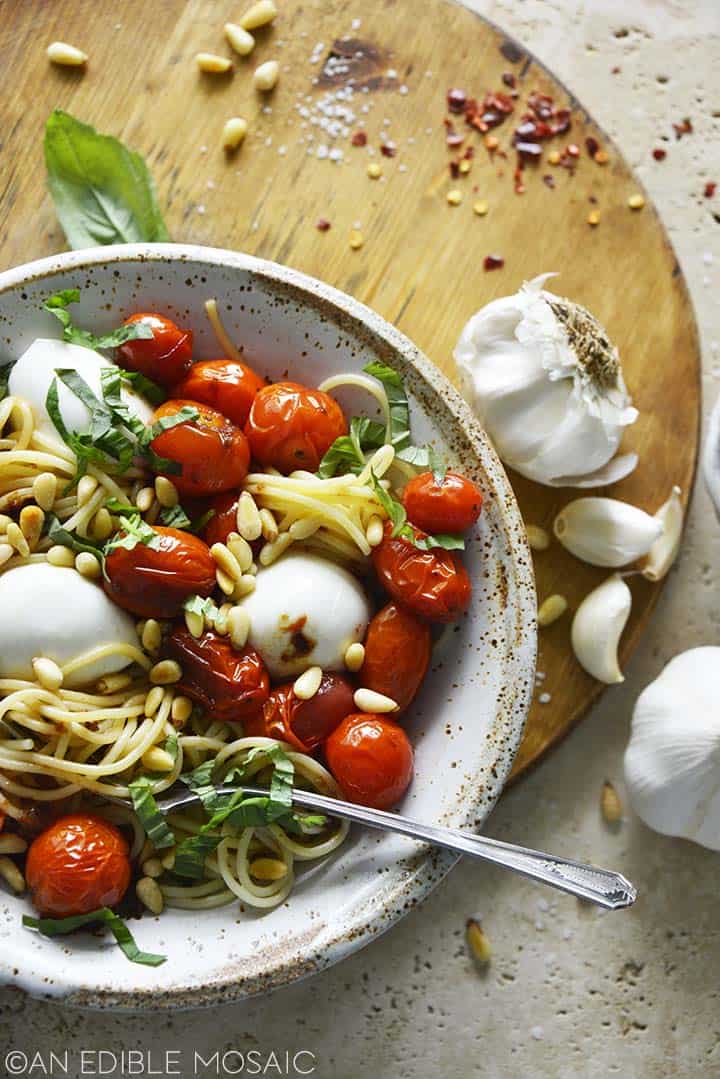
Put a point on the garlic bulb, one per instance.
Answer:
(597, 628)
(547, 384)
(672, 762)
(605, 531)
(664, 550)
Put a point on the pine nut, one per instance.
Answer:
(242, 551)
(47, 673)
(11, 874)
(148, 892)
(166, 492)
(61, 556)
(151, 637)
(234, 131)
(238, 627)
(221, 618)
(239, 39)
(4, 522)
(59, 52)
(268, 869)
(152, 867)
(181, 710)
(551, 609)
(12, 844)
(304, 528)
(113, 683)
(212, 64)
(610, 804)
(145, 498)
(153, 700)
(32, 520)
(248, 518)
(269, 526)
(538, 538)
(477, 941)
(227, 561)
(156, 759)
(86, 488)
(6, 553)
(226, 584)
(165, 673)
(272, 551)
(245, 586)
(354, 656)
(265, 77)
(367, 700)
(306, 686)
(195, 623)
(45, 490)
(102, 527)
(374, 531)
(17, 540)
(168, 859)
(87, 565)
(259, 14)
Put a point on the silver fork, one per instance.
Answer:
(602, 886)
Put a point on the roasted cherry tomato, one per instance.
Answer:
(212, 452)
(166, 357)
(227, 385)
(304, 724)
(291, 426)
(154, 581)
(80, 863)
(397, 653)
(451, 506)
(224, 518)
(230, 685)
(432, 584)
(371, 758)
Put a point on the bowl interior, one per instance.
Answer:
(465, 725)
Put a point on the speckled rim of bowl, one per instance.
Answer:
(428, 868)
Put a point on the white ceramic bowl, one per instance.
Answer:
(467, 722)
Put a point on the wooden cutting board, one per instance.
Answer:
(421, 261)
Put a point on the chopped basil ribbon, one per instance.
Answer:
(116, 505)
(397, 402)
(175, 517)
(56, 927)
(396, 512)
(58, 305)
(202, 605)
(142, 793)
(57, 534)
(136, 531)
(143, 385)
(347, 452)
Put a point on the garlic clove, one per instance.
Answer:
(597, 628)
(711, 457)
(612, 472)
(664, 550)
(606, 531)
(672, 760)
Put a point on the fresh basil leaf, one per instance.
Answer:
(116, 505)
(143, 800)
(190, 855)
(201, 605)
(134, 530)
(437, 465)
(143, 385)
(55, 927)
(103, 192)
(165, 423)
(175, 517)
(448, 541)
(61, 536)
(347, 453)
(57, 305)
(396, 512)
(172, 746)
(200, 781)
(394, 509)
(199, 523)
(397, 401)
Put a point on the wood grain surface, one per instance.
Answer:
(421, 262)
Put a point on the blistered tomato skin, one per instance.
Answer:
(224, 518)
(226, 385)
(212, 452)
(154, 581)
(230, 686)
(304, 724)
(80, 863)
(166, 357)
(291, 427)
(371, 759)
(431, 584)
(451, 506)
(397, 653)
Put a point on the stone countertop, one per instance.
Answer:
(570, 990)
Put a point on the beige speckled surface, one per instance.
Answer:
(570, 992)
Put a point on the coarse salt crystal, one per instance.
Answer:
(391, 73)
(356, 24)
(200, 208)
(537, 1033)
(403, 90)
(544, 698)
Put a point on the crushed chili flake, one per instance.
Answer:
(454, 139)
(491, 112)
(456, 100)
(710, 189)
(592, 145)
(685, 127)
(659, 154)
(549, 180)
(615, 70)
(322, 224)
(509, 79)
(388, 149)
(359, 138)
(454, 169)
(493, 262)
(529, 151)
(573, 150)
(517, 178)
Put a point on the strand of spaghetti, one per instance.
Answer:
(330, 514)
(104, 650)
(363, 382)
(225, 342)
(59, 715)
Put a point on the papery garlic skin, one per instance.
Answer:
(597, 628)
(547, 386)
(665, 549)
(605, 531)
(672, 762)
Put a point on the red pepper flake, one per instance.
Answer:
(359, 138)
(493, 262)
(529, 151)
(549, 180)
(493, 110)
(573, 150)
(454, 169)
(517, 178)
(509, 79)
(659, 154)
(322, 224)
(454, 139)
(388, 149)
(456, 100)
(592, 145)
(614, 70)
(685, 127)
(710, 189)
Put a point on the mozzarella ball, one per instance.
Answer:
(305, 612)
(32, 375)
(53, 612)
